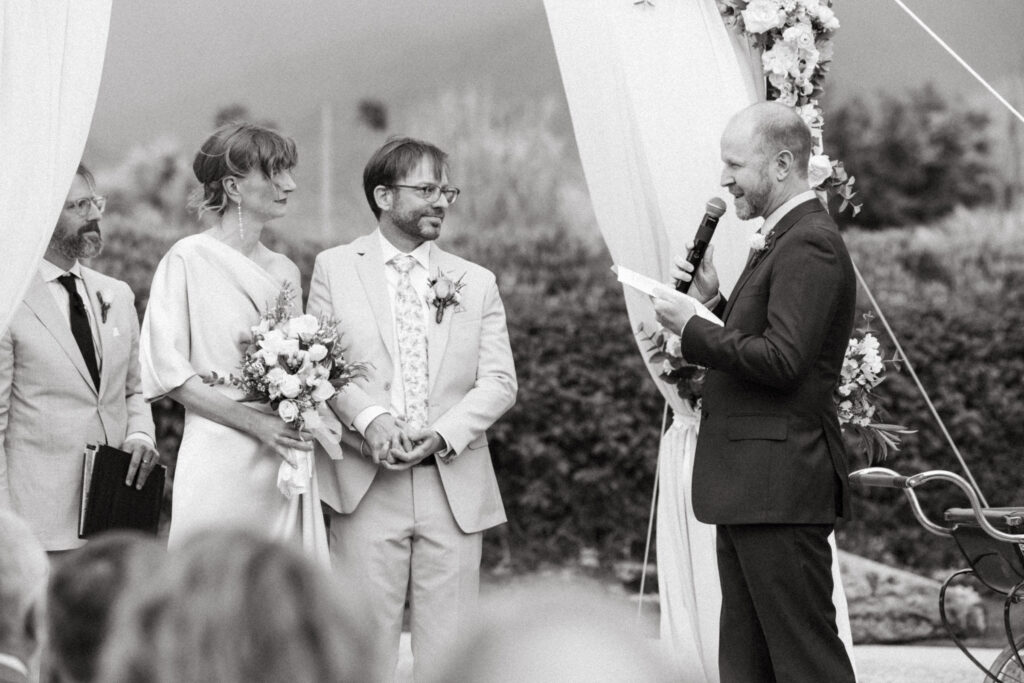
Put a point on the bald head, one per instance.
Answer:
(765, 151)
(23, 570)
(772, 128)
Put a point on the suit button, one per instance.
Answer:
(387, 386)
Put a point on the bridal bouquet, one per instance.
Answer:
(795, 41)
(294, 364)
(863, 370)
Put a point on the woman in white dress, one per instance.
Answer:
(207, 292)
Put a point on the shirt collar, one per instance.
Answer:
(49, 272)
(775, 216)
(12, 662)
(389, 251)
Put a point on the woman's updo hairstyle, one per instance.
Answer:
(233, 150)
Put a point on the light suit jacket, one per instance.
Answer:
(49, 407)
(472, 379)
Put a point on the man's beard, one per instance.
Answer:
(84, 243)
(409, 223)
(753, 201)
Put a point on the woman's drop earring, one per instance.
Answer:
(241, 228)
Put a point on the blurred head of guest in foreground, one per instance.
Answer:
(84, 588)
(232, 607)
(23, 568)
(549, 633)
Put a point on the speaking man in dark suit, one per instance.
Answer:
(770, 469)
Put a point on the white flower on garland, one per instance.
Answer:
(795, 39)
(763, 15)
(819, 169)
(801, 35)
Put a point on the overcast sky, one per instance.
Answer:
(171, 65)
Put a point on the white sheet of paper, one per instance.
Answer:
(648, 285)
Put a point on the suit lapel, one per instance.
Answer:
(780, 229)
(437, 333)
(41, 303)
(370, 267)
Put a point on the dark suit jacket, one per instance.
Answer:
(770, 449)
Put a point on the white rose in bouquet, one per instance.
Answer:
(762, 15)
(290, 386)
(303, 326)
(323, 390)
(317, 352)
(288, 411)
(273, 378)
(819, 169)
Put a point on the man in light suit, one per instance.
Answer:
(410, 507)
(69, 375)
(770, 468)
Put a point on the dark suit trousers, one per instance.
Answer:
(778, 620)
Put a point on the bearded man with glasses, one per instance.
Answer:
(69, 375)
(408, 510)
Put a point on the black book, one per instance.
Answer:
(107, 503)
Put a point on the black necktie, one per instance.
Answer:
(80, 326)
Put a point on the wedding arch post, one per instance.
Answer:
(51, 59)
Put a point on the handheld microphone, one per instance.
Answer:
(714, 210)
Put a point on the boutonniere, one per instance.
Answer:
(759, 242)
(105, 297)
(444, 292)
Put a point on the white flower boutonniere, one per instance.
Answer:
(758, 242)
(444, 292)
(105, 297)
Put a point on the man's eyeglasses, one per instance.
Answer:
(431, 193)
(82, 206)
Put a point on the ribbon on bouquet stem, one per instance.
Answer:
(292, 481)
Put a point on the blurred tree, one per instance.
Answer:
(915, 156)
(373, 114)
(231, 113)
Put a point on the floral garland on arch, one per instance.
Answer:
(795, 40)
(857, 405)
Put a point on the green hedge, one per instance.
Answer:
(576, 456)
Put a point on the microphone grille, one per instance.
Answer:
(715, 207)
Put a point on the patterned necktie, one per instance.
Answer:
(80, 327)
(412, 342)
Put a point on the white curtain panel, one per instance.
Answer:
(51, 58)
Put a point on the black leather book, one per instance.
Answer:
(107, 503)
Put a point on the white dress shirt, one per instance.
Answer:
(419, 275)
(775, 216)
(49, 273)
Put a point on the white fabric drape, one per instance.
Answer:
(650, 89)
(51, 59)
